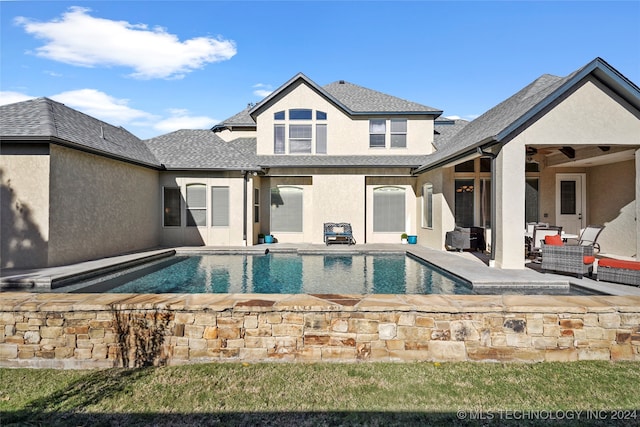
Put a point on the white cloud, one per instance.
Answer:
(102, 106)
(83, 40)
(180, 119)
(262, 90)
(118, 112)
(8, 97)
(468, 117)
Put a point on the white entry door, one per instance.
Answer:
(570, 202)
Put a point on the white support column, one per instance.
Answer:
(510, 194)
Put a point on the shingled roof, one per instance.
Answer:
(351, 98)
(242, 119)
(202, 149)
(501, 121)
(43, 119)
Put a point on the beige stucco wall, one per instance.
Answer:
(100, 207)
(612, 203)
(443, 218)
(24, 215)
(592, 114)
(207, 235)
(345, 135)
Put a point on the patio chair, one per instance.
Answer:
(574, 259)
(540, 232)
(589, 237)
(338, 232)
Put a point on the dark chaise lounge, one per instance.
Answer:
(338, 232)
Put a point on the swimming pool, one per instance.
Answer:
(282, 273)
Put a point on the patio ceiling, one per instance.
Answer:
(583, 155)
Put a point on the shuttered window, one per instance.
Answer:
(219, 206)
(388, 209)
(321, 139)
(286, 209)
(196, 205)
(278, 139)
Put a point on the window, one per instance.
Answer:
(321, 139)
(485, 203)
(321, 115)
(299, 139)
(286, 209)
(464, 202)
(278, 115)
(468, 166)
(531, 200)
(171, 201)
(219, 206)
(427, 205)
(256, 205)
(300, 114)
(398, 133)
(196, 205)
(278, 143)
(388, 209)
(377, 133)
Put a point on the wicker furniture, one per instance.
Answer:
(338, 232)
(462, 238)
(619, 271)
(539, 234)
(576, 260)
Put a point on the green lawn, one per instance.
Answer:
(325, 394)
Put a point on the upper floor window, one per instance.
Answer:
(398, 133)
(300, 114)
(300, 134)
(299, 139)
(377, 133)
(278, 140)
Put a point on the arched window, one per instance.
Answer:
(286, 209)
(388, 209)
(196, 205)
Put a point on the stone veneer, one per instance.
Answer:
(91, 330)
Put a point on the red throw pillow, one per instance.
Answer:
(554, 240)
(587, 259)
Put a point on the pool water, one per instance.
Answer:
(283, 273)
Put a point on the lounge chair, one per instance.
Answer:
(338, 232)
(589, 237)
(574, 259)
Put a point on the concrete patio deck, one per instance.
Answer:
(466, 265)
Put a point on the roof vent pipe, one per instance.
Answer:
(341, 82)
(102, 132)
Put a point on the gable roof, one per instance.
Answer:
(43, 119)
(202, 149)
(241, 120)
(444, 129)
(508, 118)
(352, 99)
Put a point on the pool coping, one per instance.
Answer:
(478, 274)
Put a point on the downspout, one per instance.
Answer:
(245, 181)
(493, 157)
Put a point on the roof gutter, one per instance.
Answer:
(68, 144)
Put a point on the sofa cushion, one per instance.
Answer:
(587, 259)
(554, 240)
(618, 263)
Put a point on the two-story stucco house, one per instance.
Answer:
(563, 150)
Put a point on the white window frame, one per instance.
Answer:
(397, 133)
(427, 205)
(190, 208)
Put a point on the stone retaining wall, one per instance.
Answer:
(106, 330)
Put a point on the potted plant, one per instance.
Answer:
(260, 238)
(403, 238)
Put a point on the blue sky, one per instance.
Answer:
(155, 67)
